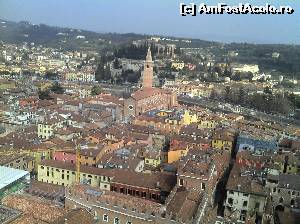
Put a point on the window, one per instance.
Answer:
(116, 221)
(128, 222)
(245, 203)
(230, 201)
(153, 196)
(281, 200)
(292, 202)
(257, 204)
(105, 218)
(181, 182)
(202, 186)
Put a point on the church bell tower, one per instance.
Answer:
(148, 71)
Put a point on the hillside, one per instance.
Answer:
(67, 38)
(74, 39)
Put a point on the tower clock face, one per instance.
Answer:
(130, 107)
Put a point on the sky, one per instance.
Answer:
(159, 17)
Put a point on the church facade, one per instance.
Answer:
(148, 98)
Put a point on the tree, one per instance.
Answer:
(57, 88)
(250, 76)
(96, 90)
(268, 90)
(133, 77)
(237, 76)
(218, 70)
(51, 75)
(2, 130)
(117, 64)
(44, 95)
(227, 72)
(227, 93)
(103, 73)
(213, 94)
(242, 96)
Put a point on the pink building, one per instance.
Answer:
(66, 156)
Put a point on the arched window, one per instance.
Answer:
(105, 218)
(281, 200)
(116, 221)
(293, 202)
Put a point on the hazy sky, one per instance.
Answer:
(158, 17)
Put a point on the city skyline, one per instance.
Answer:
(116, 16)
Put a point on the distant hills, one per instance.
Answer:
(13, 32)
(75, 39)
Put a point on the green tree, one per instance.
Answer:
(213, 94)
(117, 64)
(2, 129)
(57, 88)
(44, 95)
(96, 90)
(241, 96)
(268, 90)
(51, 75)
(227, 94)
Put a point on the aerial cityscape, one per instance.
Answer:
(134, 127)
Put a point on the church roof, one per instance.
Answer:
(147, 92)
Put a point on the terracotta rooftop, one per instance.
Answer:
(79, 215)
(245, 183)
(147, 92)
(34, 208)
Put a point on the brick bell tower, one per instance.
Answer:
(148, 71)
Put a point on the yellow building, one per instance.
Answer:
(208, 124)
(39, 154)
(189, 118)
(47, 126)
(178, 65)
(91, 156)
(63, 173)
(71, 76)
(175, 155)
(223, 140)
(152, 158)
(177, 150)
(162, 113)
